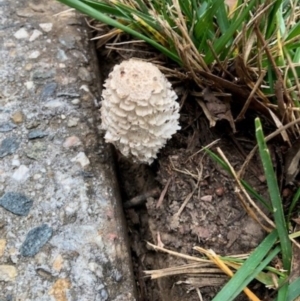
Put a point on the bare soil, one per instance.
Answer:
(212, 218)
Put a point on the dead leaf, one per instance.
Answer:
(217, 108)
(206, 198)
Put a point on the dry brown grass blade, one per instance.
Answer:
(240, 187)
(189, 196)
(208, 280)
(203, 269)
(279, 125)
(280, 82)
(251, 95)
(221, 264)
(173, 253)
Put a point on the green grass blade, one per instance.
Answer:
(294, 32)
(274, 193)
(270, 256)
(220, 44)
(92, 12)
(295, 200)
(271, 26)
(248, 188)
(234, 285)
(256, 195)
(293, 290)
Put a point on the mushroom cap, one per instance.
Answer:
(139, 110)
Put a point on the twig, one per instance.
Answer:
(162, 195)
(141, 199)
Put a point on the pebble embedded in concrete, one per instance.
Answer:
(47, 27)
(8, 273)
(35, 34)
(8, 146)
(35, 240)
(72, 141)
(59, 289)
(84, 74)
(34, 54)
(34, 134)
(82, 159)
(21, 173)
(36, 151)
(75, 101)
(21, 34)
(2, 246)
(7, 126)
(48, 90)
(72, 122)
(17, 117)
(16, 203)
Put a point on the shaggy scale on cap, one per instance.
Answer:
(139, 110)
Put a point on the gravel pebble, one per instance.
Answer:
(117, 275)
(21, 174)
(71, 142)
(47, 27)
(84, 74)
(35, 240)
(73, 121)
(17, 117)
(36, 151)
(48, 90)
(16, 203)
(8, 273)
(7, 126)
(8, 146)
(34, 134)
(21, 34)
(34, 54)
(82, 159)
(35, 34)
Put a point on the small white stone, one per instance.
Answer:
(73, 121)
(71, 142)
(82, 159)
(61, 66)
(62, 116)
(21, 174)
(53, 104)
(28, 85)
(75, 101)
(34, 54)
(35, 34)
(46, 26)
(15, 162)
(84, 88)
(37, 176)
(21, 34)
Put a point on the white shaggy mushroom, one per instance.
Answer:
(139, 110)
